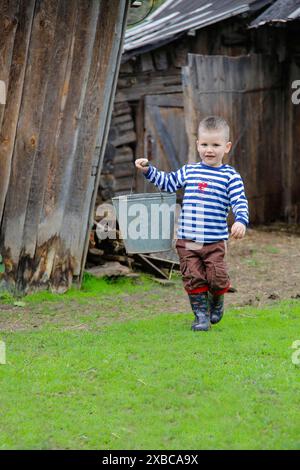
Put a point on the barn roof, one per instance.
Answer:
(281, 12)
(175, 17)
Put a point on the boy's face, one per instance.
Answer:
(212, 146)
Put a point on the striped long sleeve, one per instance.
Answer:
(209, 192)
(238, 201)
(167, 181)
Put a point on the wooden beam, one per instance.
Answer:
(13, 52)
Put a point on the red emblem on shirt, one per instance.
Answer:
(202, 186)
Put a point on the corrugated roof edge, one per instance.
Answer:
(228, 14)
(149, 47)
(129, 52)
(270, 15)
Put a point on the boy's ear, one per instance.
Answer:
(228, 147)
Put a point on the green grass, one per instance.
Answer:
(91, 287)
(253, 262)
(153, 383)
(272, 249)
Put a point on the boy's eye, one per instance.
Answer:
(203, 145)
(216, 145)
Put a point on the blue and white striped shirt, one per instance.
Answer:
(209, 194)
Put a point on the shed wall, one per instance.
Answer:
(59, 63)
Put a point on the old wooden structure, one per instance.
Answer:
(192, 58)
(58, 65)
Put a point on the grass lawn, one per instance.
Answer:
(141, 379)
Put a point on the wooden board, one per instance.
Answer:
(60, 60)
(14, 44)
(165, 140)
(247, 91)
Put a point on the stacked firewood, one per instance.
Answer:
(118, 171)
(108, 257)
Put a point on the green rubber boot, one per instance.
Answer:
(199, 304)
(216, 307)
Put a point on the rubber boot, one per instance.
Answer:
(216, 307)
(199, 304)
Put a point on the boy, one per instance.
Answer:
(211, 188)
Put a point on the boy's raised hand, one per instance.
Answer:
(142, 164)
(238, 230)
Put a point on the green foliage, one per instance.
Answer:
(6, 297)
(2, 267)
(137, 15)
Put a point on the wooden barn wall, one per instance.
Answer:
(291, 147)
(293, 212)
(158, 72)
(58, 61)
(247, 91)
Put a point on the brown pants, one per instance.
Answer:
(203, 266)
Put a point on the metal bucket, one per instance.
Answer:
(146, 221)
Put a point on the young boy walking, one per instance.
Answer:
(211, 188)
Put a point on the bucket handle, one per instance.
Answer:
(133, 177)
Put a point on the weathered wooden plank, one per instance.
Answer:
(124, 183)
(29, 123)
(126, 67)
(50, 247)
(123, 154)
(146, 261)
(97, 112)
(70, 75)
(163, 136)
(124, 138)
(63, 179)
(124, 169)
(191, 120)
(146, 62)
(121, 108)
(179, 53)
(152, 83)
(125, 126)
(8, 26)
(294, 118)
(124, 118)
(247, 92)
(161, 60)
(52, 108)
(167, 100)
(13, 51)
(124, 150)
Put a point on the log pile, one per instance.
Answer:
(108, 257)
(118, 171)
(149, 74)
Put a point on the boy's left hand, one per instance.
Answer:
(238, 230)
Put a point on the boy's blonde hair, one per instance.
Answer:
(215, 123)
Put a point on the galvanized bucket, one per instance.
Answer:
(146, 221)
